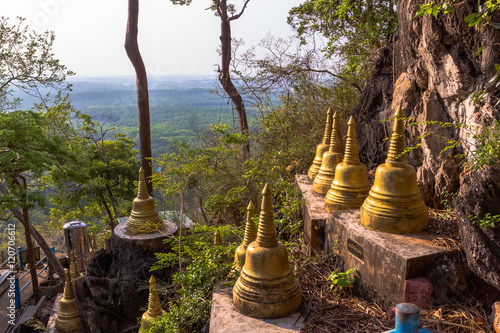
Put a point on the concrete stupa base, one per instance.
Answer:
(152, 241)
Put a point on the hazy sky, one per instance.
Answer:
(173, 40)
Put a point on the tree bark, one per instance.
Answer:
(224, 72)
(132, 48)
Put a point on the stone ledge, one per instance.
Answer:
(383, 261)
(313, 214)
(225, 319)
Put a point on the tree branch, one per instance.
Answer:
(235, 17)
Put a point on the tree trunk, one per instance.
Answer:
(134, 55)
(225, 77)
(51, 257)
(31, 255)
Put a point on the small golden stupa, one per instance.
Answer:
(67, 319)
(217, 239)
(322, 147)
(106, 244)
(331, 158)
(250, 235)
(266, 287)
(395, 203)
(154, 308)
(73, 268)
(350, 186)
(144, 218)
(4, 265)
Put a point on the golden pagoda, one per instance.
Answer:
(395, 203)
(73, 268)
(154, 308)
(144, 218)
(217, 239)
(331, 158)
(250, 235)
(67, 319)
(322, 147)
(266, 287)
(350, 186)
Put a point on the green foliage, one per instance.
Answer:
(447, 203)
(27, 63)
(354, 29)
(487, 150)
(206, 264)
(341, 279)
(488, 221)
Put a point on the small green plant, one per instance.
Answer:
(341, 279)
(488, 221)
(204, 264)
(447, 203)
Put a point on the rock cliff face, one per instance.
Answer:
(430, 69)
(114, 293)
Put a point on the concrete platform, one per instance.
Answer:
(383, 261)
(147, 241)
(313, 214)
(225, 319)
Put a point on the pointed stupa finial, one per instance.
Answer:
(336, 145)
(67, 318)
(69, 293)
(73, 269)
(397, 144)
(328, 127)
(351, 155)
(142, 191)
(250, 229)
(154, 308)
(217, 238)
(266, 233)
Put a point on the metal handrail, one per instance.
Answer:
(10, 269)
(31, 280)
(35, 266)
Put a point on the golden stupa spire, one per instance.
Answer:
(394, 203)
(144, 218)
(266, 233)
(322, 147)
(350, 185)
(336, 145)
(142, 190)
(67, 319)
(250, 229)
(328, 127)
(73, 269)
(266, 287)
(250, 236)
(217, 239)
(154, 307)
(397, 145)
(351, 155)
(330, 159)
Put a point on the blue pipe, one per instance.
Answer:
(408, 320)
(17, 293)
(21, 266)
